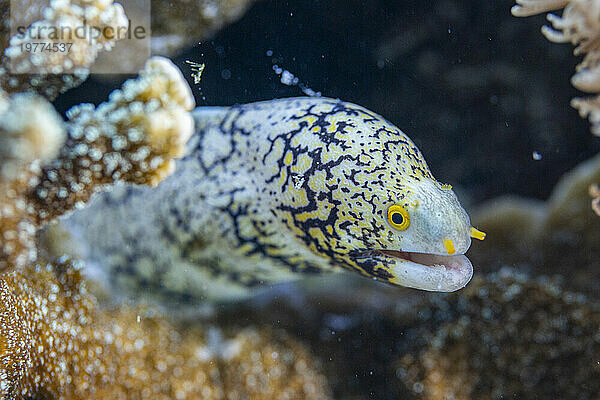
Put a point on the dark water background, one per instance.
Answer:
(477, 89)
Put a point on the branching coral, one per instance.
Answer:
(56, 343)
(579, 25)
(507, 336)
(51, 72)
(133, 137)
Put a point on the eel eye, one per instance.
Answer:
(398, 217)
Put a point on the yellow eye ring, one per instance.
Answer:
(398, 217)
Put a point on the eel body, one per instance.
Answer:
(274, 190)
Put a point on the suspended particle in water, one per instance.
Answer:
(288, 79)
(197, 70)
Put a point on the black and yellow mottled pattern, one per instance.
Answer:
(267, 191)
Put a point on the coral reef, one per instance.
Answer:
(269, 365)
(49, 73)
(133, 137)
(55, 342)
(507, 336)
(557, 236)
(357, 328)
(356, 332)
(175, 25)
(526, 8)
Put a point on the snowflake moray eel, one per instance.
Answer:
(273, 190)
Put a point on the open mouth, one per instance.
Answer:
(432, 272)
(430, 260)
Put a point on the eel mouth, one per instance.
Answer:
(431, 272)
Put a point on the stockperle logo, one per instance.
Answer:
(59, 37)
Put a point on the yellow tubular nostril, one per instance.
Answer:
(477, 234)
(449, 246)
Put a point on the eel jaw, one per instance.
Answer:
(430, 272)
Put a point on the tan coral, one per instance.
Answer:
(56, 342)
(31, 132)
(133, 137)
(52, 72)
(589, 107)
(507, 336)
(256, 367)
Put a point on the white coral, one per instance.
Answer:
(525, 8)
(30, 129)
